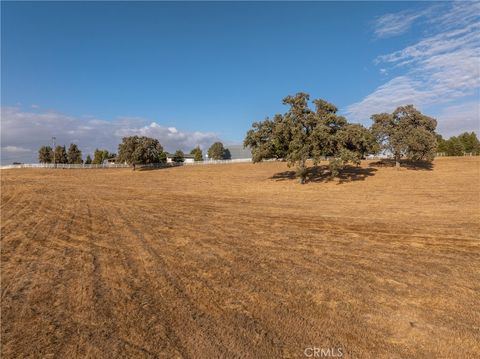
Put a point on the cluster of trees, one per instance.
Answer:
(136, 150)
(143, 150)
(71, 156)
(133, 150)
(303, 134)
(467, 142)
(60, 155)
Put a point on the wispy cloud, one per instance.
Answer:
(399, 91)
(393, 24)
(439, 69)
(24, 132)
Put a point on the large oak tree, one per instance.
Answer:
(302, 133)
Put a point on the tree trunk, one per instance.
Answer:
(302, 173)
(397, 161)
(134, 166)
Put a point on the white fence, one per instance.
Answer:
(63, 165)
(121, 165)
(219, 162)
(443, 154)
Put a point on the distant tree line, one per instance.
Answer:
(467, 142)
(303, 134)
(133, 150)
(60, 155)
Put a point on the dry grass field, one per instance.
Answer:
(240, 261)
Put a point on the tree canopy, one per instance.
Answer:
(88, 160)
(216, 151)
(302, 133)
(140, 150)
(179, 156)
(406, 133)
(74, 155)
(197, 153)
(45, 154)
(60, 155)
(99, 156)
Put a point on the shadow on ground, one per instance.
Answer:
(157, 167)
(322, 174)
(411, 165)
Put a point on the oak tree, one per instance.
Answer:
(406, 133)
(216, 151)
(140, 150)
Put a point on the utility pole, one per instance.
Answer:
(53, 140)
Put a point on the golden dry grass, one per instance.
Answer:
(224, 261)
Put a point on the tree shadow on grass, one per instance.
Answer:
(157, 167)
(408, 164)
(322, 174)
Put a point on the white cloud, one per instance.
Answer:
(442, 68)
(455, 119)
(24, 132)
(15, 149)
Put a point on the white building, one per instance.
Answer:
(186, 158)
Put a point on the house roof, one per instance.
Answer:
(171, 155)
(238, 152)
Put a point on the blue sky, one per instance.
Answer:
(191, 73)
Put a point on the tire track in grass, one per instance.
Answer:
(36, 306)
(172, 291)
(115, 299)
(150, 240)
